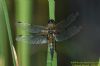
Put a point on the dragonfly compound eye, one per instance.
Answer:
(51, 21)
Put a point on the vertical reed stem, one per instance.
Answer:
(23, 15)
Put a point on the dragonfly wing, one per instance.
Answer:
(67, 21)
(30, 28)
(68, 28)
(36, 29)
(69, 32)
(33, 39)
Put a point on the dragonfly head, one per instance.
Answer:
(51, 23)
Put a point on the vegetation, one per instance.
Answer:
(23, 17)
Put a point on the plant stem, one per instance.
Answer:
(23, 15)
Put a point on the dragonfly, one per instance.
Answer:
(52, 33)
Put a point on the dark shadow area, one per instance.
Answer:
(86, 45)
(63, 59)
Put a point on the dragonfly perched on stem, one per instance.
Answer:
(64, 30)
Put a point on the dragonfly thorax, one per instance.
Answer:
(50, 29)
(51, 32)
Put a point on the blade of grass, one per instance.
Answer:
(7, 22)
(51, 9)
(3, 39)
(51, 16)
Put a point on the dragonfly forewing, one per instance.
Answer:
(68, 33)
(67, 21)
(68, 27)
(36, 29)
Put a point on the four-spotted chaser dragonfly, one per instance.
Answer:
(64, 30)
